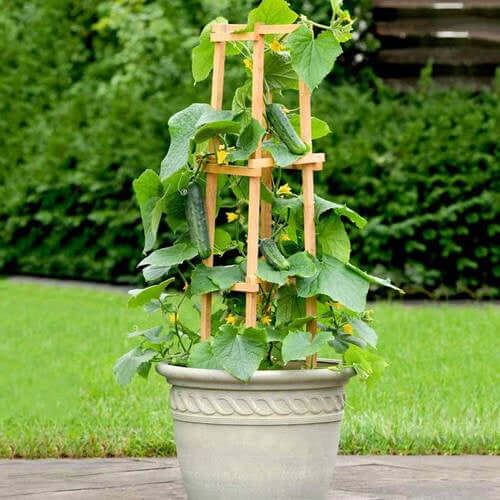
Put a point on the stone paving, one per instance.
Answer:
(357, 477)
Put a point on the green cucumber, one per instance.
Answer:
(197, 220)
(282, 127)
(273, 256)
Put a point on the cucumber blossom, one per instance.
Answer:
(273, 256)
(197, 220)
(282, 127)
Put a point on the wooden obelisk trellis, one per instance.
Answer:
(258, 169)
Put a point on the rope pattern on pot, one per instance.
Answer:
(202, 402)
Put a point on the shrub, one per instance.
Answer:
(85, 93)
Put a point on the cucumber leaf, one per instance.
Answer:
(312, 58)
(170, 256)
(280, 153)
(271, 12)
(319, 128)
(149, 193)
(365, 331)
(321, 206)
(289, 306)
(202, 356)
(140, 297)
(298, 345)
(240, 351)
(202, 56)
(333, 239)
(182, 127)
(131, 363)
(338, 281)
(247, 142)
(215, 122)
(374, 279)
(267, 273)
(210, 279)
(278, 72)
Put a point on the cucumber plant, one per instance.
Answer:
(176, 275)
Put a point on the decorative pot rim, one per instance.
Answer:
(260, 380)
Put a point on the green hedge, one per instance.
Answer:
(86, 90)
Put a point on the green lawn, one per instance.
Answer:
(58, 396)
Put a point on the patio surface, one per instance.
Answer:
(357, 477)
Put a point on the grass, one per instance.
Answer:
(58, 396)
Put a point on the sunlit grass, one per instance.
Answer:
(58, 396)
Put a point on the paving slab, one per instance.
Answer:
(356, 477)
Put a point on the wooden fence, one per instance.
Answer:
(461, 37)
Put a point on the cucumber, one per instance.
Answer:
(282, 127)
(197, 220)
(273, 256)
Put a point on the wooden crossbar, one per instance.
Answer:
(234, 32)
(258, 170)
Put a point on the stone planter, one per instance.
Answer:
(273, 438)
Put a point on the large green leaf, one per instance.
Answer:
(319, 128)
(321, 205)
(336, 280)
(188, 315)
(127, 366)
(271, 12)
(213, 123)
(365, 331)
(182, 127)
(152, 335)
(289, 306)
(171, 256)
(202, 356)
(268, 273)
(313, 58)
(298, 345)
(202, 56)
(302, 264)
(278, 72)
(241, 95)
(142, 296)
(240, 352)
(280, 153)
(149, 192)
(333, 239)
(374, 279)
(222, 241)
(209, 279)
(247, 142)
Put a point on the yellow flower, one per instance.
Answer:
(285, 237)
(276, 46)
(347, 16)
(231, 216)
(231, 319)
(248, 64)
(265, 320)
(336, 305)
(172, 317)
(185, 287)
(348, 328)
(285, 110)
(285, 190)
(221, 156)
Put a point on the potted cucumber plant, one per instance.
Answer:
(257, 281)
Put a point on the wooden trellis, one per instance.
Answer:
(258, 168)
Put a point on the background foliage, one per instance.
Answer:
(86, 90)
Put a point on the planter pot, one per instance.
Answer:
(273, 438)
